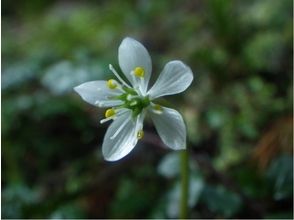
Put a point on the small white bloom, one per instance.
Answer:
(129, 103)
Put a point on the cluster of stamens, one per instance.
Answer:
(130, 97)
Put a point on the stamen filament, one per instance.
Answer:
(139, 126)
(108, 103)
(137, 83)
(118, 77)
(118, 112)
(105, 120)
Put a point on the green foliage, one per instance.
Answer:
(67, 211)
(241, 56)
(133, 198)
(280, 173)
(221, 201)
(16, 198)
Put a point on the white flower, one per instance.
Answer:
(129, 103)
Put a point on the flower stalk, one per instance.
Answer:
(184, 158)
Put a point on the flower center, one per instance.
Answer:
(133, 101)
(131, 98)
(136, 103)
(139, 72)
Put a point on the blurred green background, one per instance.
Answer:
(238, 110)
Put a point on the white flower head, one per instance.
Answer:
(128, 103)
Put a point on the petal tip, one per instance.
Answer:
(112, 157)
(128, 39)
(77, 89)
(179, 147)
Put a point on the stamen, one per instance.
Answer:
(117, 76)
(129, 97)
(105, 120)
(139, 72)
(109, 113)
(140, 134)
(112, 84)
(138, 82)
(157, 109)
(133, 103)
(108, 103)
(139, 125)
(118, 112)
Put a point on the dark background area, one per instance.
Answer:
(238, 111)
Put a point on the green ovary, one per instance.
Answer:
(133, 101)
(137, 104)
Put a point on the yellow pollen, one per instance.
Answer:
(157, 107)
(140, 134)
(109, 112)
(139, 71)
(111, 84)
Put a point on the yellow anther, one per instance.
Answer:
(140, 134)
(157, 107)
(109, 113)
(111, 84)
(139, 71)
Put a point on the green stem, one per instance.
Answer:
(184, 184)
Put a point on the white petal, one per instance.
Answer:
(97, 93)
(132, 54)
(116, 146)
(170, 127)
(175, 78)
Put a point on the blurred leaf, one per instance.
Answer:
(15, 198)
(170, 165)
(280, 173)
(267, 13)
(221, 201)
(217, 117)
(173, 198)
(132, 198)
(264, 50)
(19, 73)
(61, 78)
(251, 181)
(68, 211)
